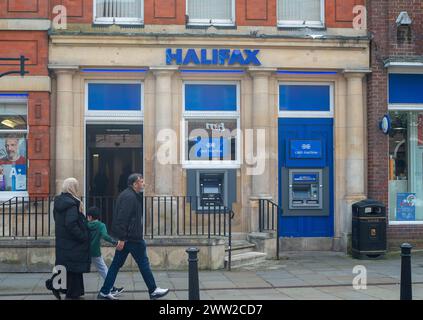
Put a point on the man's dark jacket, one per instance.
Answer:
(127, 222)
(72, 235)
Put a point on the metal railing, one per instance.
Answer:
(164, 216)
(269, 219)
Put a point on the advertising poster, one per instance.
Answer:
(406, 206)
(13, 170)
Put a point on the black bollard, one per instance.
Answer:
(406, 289)
(193, 284)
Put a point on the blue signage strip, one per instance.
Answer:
(305, 177)
(406, 207)
(406, 88)
(306, 149)
(114, 96)
(209, 57)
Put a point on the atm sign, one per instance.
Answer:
(306, 149)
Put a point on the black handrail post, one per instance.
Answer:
(406, 285)
(230, 241)
(193, 282)
(277, 231)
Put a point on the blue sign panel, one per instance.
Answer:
(306, 149)
(114, 97)
(211, 148)
(304, 97)
(406, 206)
(405, 88)
(207, 57)
(210, 97)
(305, 177)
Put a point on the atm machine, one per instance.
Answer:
(305, 189)
(212, 190)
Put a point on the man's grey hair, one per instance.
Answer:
(133, 178)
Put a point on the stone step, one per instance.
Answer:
(246, 259)
(241, 246)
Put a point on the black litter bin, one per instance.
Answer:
(368, 229)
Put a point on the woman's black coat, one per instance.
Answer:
(72, 235)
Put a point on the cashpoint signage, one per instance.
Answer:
(305, 178)
(306, 149)
(212, 147)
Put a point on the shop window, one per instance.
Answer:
(305, 13)
(211, 123)
(114, 97)
(212, 139)
(13, 147)
(406, 167)
(119, 11)
(206, 12)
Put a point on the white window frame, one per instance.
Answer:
(302, 23)
(6, 195)
(308, 114)
(212, 22)
(212, 115)
(99, 116)
(110, 20)
(405, 108)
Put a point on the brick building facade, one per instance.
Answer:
(395, 49)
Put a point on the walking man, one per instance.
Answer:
(127, 227)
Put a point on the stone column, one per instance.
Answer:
(163, 117)
(261, 120)
(355, 131)
(64, 127)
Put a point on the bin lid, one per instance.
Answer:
(366, 208)
(368, 203)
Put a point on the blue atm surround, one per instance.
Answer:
(317, 137)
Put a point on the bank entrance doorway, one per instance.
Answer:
(113, 153)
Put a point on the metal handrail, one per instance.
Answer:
(267, 221)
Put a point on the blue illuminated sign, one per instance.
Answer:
(306, 149)
(211, 148)
(207, 57)
(305, 177)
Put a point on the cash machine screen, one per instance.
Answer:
(305, 190)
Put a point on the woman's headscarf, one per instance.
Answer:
(71, 185)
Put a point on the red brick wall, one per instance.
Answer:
(31, 44)
(339, 13)
(164, 12)
(381, 22)
(24, 9)
(256, 12)
(39, 143)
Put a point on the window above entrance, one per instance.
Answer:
(305, 13)
(119, 11)
(114, 99)
(305, 99)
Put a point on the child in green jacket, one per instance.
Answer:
(98, 231)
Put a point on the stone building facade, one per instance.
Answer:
(238, 65)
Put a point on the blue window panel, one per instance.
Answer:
(406, 88)
(114, 97)
(304, 98)
(205, 97)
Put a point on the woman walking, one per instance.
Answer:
(72, 239)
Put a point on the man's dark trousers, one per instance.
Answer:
(138, 250)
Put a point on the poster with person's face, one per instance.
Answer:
(13, 170)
